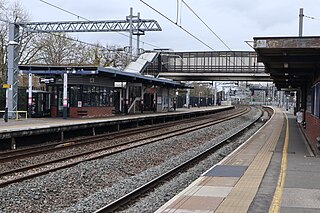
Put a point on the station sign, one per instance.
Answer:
(47, 80)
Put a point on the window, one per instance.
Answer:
(91, 96)
(86, 96)
(75, 95)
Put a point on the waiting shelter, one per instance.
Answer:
(89, 91)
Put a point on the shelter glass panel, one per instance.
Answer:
(91, 96)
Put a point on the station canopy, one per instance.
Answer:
(110, 72)
(293, 62)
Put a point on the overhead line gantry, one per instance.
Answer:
(132, 24)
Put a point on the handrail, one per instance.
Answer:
(17, 113)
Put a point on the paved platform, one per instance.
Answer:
(273, 171)
(17, 132)
(34, 123)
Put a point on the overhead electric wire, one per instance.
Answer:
(310, 17)
(78, 16)
(195, 37)
(60, 36)
(206, 25)
(60, 8)
(220, 39)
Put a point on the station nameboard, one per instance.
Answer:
(47, 80)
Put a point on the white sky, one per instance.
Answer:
(235, 21)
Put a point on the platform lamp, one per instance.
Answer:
(7, 86)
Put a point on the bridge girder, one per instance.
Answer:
(216, 76)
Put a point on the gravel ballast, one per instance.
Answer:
(90, 185)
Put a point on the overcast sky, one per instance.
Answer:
(235, 21)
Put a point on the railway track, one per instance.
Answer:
(151, 185)
(32, 151)
(28, 172)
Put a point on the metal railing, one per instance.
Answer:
(207, 62)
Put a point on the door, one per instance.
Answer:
(60, 101)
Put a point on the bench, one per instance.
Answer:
(82, 113)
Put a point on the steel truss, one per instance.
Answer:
(138, 25)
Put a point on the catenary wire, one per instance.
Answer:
(195, 37)
(311, 17)
(206, 25)
(78, 16)
(217, 36)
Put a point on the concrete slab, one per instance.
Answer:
(226, 171)
(303, 179)
(218, 181)
(298, 210)
(306, 164)
(301, 198)
(194, 204)
(210, 191)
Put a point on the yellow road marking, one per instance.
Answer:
(275, 205)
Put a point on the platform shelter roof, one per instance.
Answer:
(293, 62)
(110, 72)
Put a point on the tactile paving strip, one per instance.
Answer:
(245, 190)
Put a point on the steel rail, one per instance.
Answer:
(18, 154)
(151, 139)
(158, 180)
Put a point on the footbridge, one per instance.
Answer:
(207, 66)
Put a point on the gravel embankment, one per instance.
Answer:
(88, 186)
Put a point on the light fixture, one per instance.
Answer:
(285, 65)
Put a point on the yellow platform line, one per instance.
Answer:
(276, 202)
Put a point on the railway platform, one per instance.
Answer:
(60, 128)
(273, 171)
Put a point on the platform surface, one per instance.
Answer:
(35, 123)
(248, 179)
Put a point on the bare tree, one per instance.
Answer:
(109, 56)
(9, 13)
(58, 49)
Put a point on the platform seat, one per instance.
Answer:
(82, 113)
